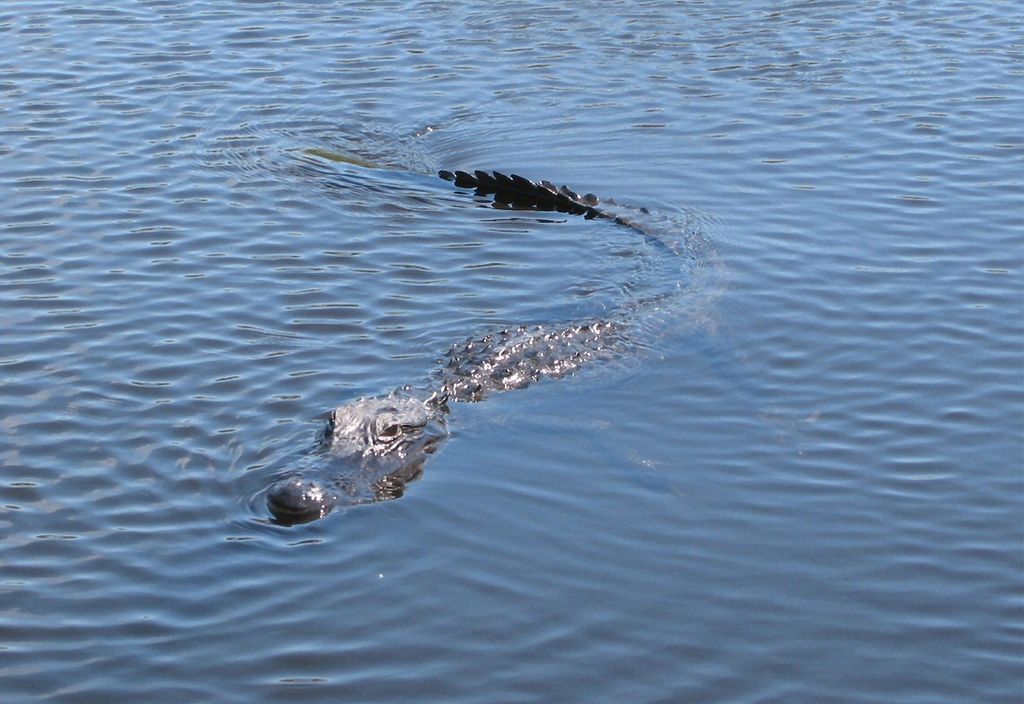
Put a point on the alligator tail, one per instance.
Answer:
(517, 192)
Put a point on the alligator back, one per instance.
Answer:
(517, 357)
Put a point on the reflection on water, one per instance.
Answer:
(802, 483)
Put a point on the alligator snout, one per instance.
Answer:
(300, 500)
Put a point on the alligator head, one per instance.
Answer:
(371, 448)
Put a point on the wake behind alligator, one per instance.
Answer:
(371, 448)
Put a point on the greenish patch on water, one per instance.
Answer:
(338, 156)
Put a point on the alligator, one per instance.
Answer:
(371, 448)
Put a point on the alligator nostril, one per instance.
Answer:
(294, 501)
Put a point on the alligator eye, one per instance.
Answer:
(390, 431)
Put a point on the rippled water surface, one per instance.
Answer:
(803, 483)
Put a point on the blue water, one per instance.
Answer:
(805, 482)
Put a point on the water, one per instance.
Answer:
(805, 484)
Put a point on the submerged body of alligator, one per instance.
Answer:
(372, 447)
